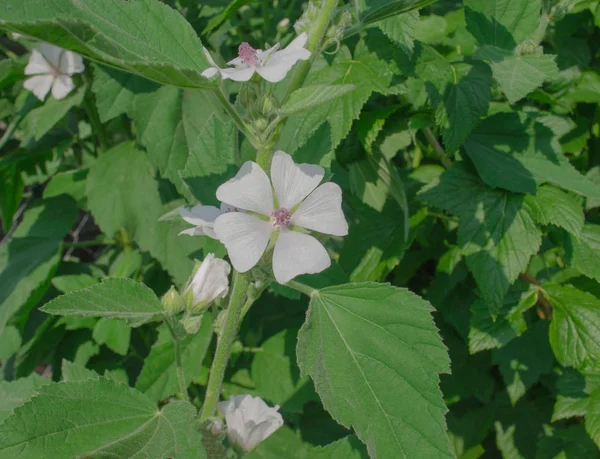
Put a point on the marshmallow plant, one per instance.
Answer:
(251, 187)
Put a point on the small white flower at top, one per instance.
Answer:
(52, 68)
(272, 64)
(299, 203)
(203, 218)
(209, 282)
(249, 420)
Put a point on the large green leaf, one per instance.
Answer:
(212, 160)
(115, 334)
(575, 327)
(497, 234)
(99, 418)
(551, 206)
(583, 252)
(15, 393)
(363, 345)
(144, 37)
(169, 122)
(123, 193)
(502, 23)
(514, 152)
(305, 99)
(573, 391)
(114, 298)
(30, 258)
(158, 379)
(400, 29)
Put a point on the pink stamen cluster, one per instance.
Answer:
(281, 217)
(247, 53)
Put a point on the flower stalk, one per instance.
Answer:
(178, 360)
(237, 299)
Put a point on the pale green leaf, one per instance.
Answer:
(572, 393)
(378, 336)
(99, 418)
(113, 298)
(15, 393)
(71, 183)
(497, 234)
(584, 252)
(74, 372)
(212, 160)
(575, 326)
(551, 206)
(514, 152)
(158, 378)
(70, 282)
(143, 36)
(115, 334)
(310, 97)
(502, 23)
(29, 259)
(400, 29)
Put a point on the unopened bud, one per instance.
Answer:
(216, 427)
(219, 322)
(172, 302)
(283, 24)
(191, 324)
(208, 283)
(528, 47)
(269, 105)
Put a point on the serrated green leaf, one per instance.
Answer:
(97, 418)
(551, 206)
(524, 360)
(212, 160)
(592, 417)
(378, 10)
(583, 253)
(115, 334)
(310, 97)
(502, 23)
(526, 153)
(169, 124)
(158, 378)
(400, 29)
(14, 393)
(123, 192)
(575, 327)
(71, 282)
(378, 336)
(30, 258)
(114, 299)
(145, 37)
(572, 442)
(71, 183)
(116, 91)
(497, 234)
(278, 357)
(573, 390)
(489, 332)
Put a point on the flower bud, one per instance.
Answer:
(283, 25)
(216, 427)
(209, 282)
(191, 324)
(172, 302)
(220, 322)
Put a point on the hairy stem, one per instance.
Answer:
(227, 336)
(239, 122)
(437, 148)
(302, 288)
(178, 361)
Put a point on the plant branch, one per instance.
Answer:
(227, 336)
(239, 122)
(10, 130)
(437, 148)
(545, 307)
(302, 288)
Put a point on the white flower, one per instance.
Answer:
(53, 68)
(203, 218)
(300, 204)
(271, 64)
(249, 420)
(209, 282)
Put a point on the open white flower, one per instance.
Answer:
(211, 281)
(299, 204)
(52, 68)
(272, 64)
(203, 218)
(249, 420)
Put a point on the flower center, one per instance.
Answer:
(281, 217)
(247, 53)
(54, 72)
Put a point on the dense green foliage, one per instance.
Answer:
(460, 316)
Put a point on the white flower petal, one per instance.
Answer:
(280, 63)
(71, 63)
(62, 86)
(37, 64)
(297, 253)
(209, 58)
(52, 54)
(40, 85)
(238, 73)
(210, 72)
(200, 215)
(238, 61)
(322, 211)
(198, 231)
(250, 189)
(293, 182)
(298, 42)
(264, 55)
(245, 237)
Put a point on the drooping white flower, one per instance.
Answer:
(272, 64)
(210, 282)
(301, 203)
(203, 218)
(249, 420)
(52, 68)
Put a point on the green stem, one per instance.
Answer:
(10, 130)
(97, 127)
(437, 148)
(302, 288)
(315, 40)
(236, 117)
(229, 331)
(88, 243)
(178, 360)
